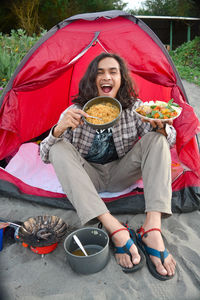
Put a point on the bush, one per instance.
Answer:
(13, 48)
(187, 60)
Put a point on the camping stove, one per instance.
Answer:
(41, 233)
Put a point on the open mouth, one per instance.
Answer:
(106, 88)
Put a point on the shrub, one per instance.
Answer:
(13, 48)
(187, 60)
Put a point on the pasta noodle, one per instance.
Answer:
(105, 110)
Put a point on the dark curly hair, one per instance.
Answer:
(88, 89)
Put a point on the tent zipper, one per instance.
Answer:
(86, 49)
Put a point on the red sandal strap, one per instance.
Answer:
(141, 231)
(118, 231)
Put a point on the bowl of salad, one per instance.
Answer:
(159, 110)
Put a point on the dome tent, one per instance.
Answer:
(47, 78)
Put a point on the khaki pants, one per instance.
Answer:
(81, 181)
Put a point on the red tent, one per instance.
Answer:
(48, 76)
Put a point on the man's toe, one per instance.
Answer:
(170, 265)
(135, 255)
(161, 269)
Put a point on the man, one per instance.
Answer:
(137, 149)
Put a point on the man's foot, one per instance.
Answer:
(120, 239)
(153, 239)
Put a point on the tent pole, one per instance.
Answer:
(188, 33)
(171, 34)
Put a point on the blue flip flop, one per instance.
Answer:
(125, 249)
(151, 251)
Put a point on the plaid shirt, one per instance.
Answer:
(126, 133)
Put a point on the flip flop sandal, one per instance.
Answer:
(151, 251)
(126, 247)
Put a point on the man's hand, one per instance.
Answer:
(158, 125)
(71, 119)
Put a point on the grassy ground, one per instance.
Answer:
(14, 47)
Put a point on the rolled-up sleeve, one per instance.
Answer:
(46, 145)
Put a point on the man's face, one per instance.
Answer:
(108, 78)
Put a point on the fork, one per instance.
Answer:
(95, 118)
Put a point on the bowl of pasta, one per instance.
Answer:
(103, 112)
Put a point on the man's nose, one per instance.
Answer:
(107, 75)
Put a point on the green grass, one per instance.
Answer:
(15, 46)
(187, 60)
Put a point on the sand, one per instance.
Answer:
(26, 275)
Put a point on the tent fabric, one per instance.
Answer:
(46, 80)
(27, 166)
(185, 195)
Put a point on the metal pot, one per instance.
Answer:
(98, 100)
(93, 239)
